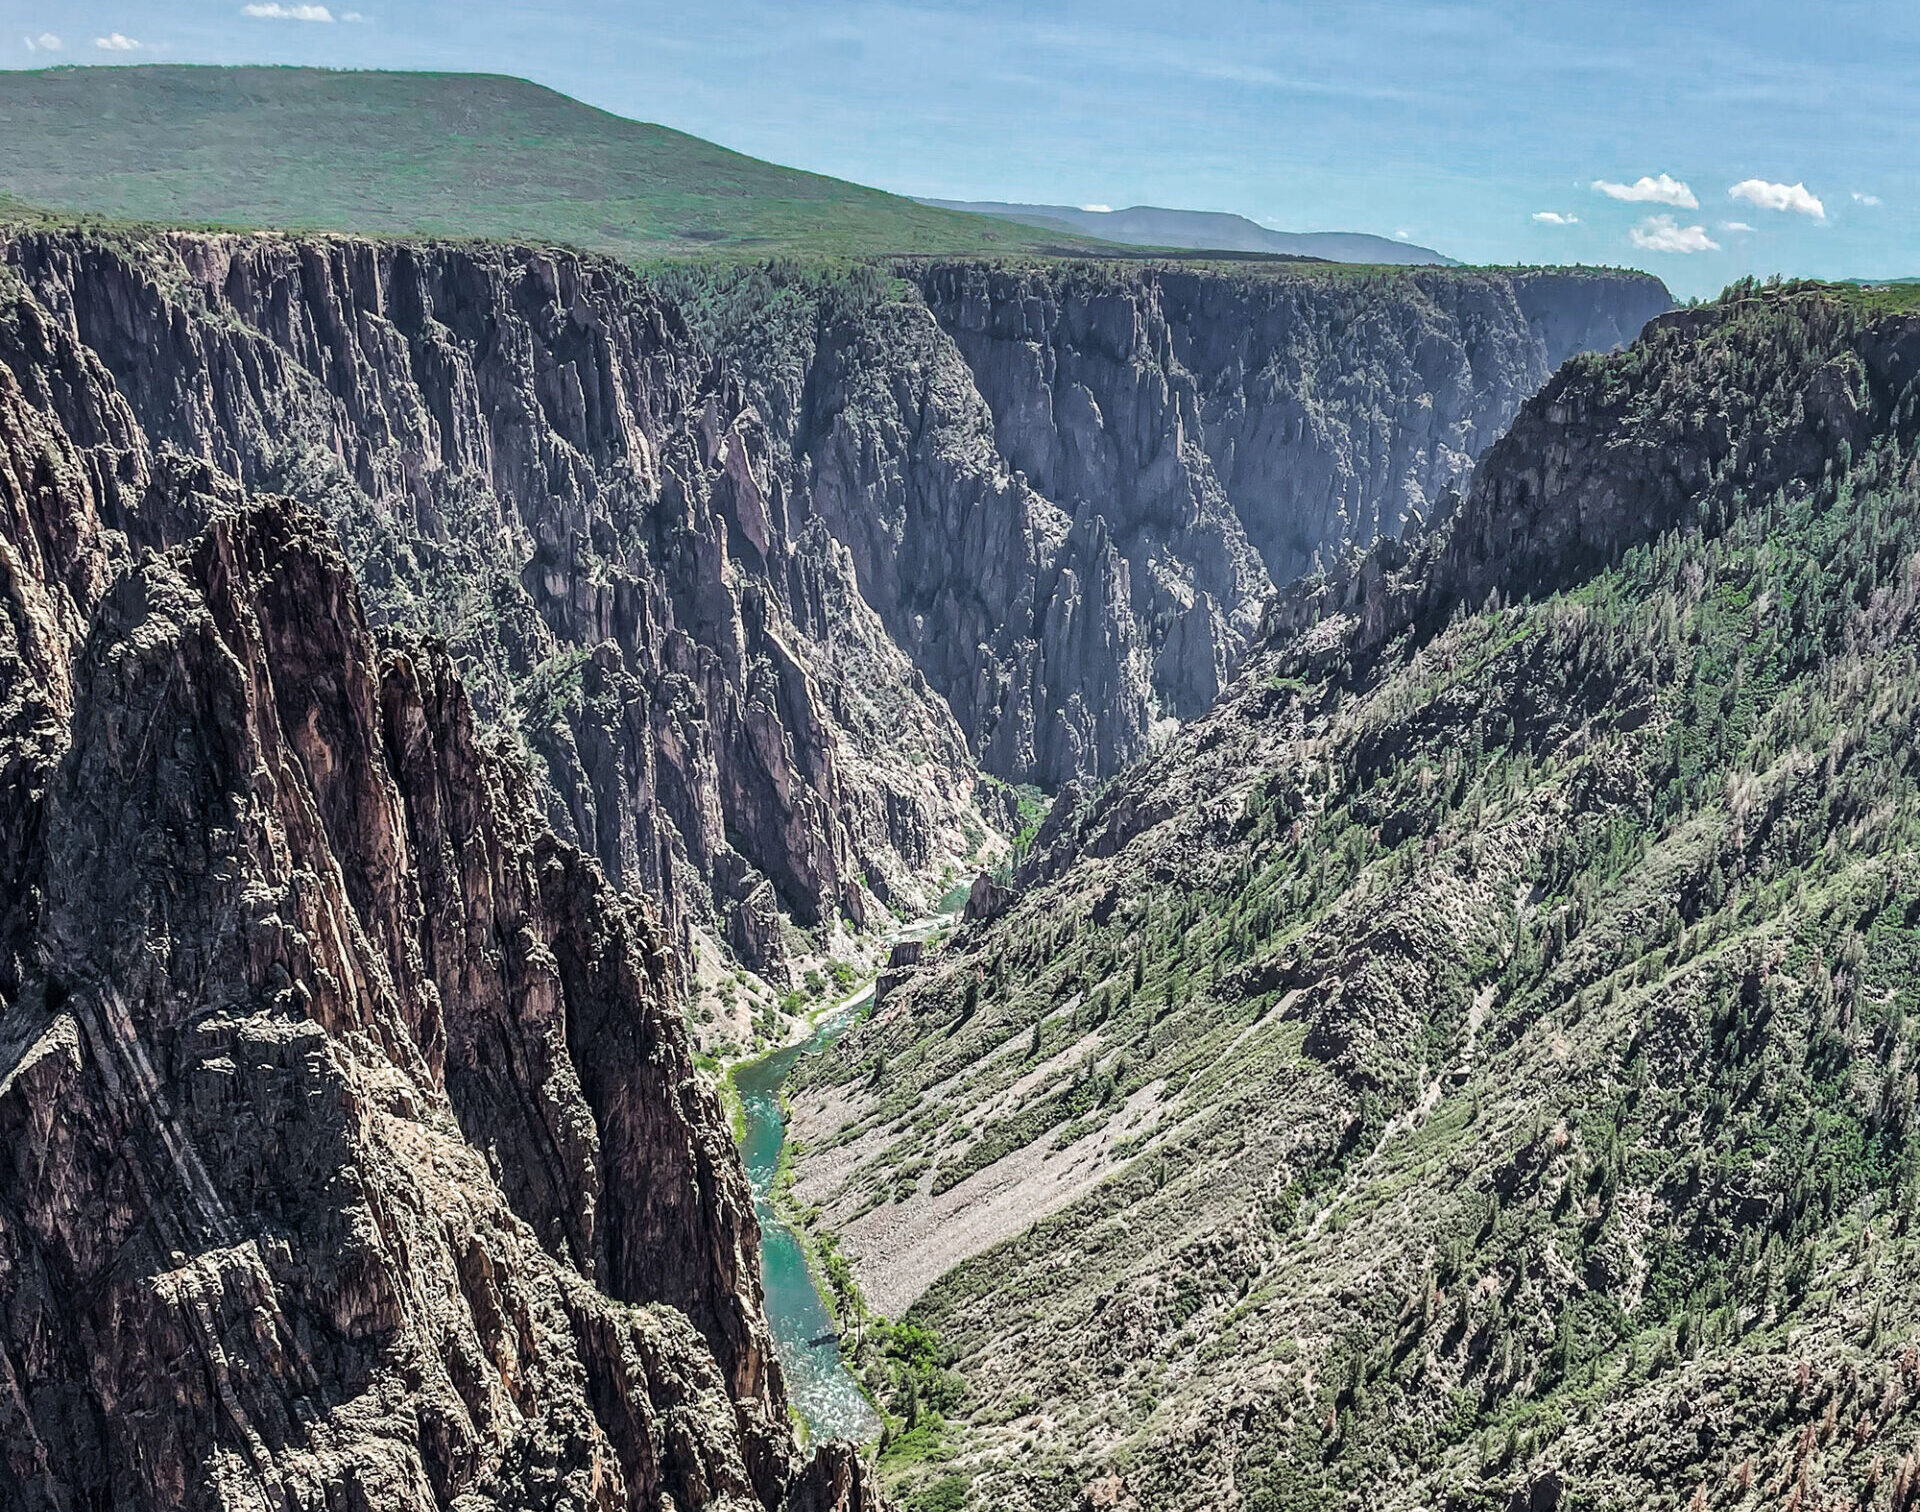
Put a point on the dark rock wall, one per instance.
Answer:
(1067, 490)
(353, 1150)
(1013, 609)
(527, 453)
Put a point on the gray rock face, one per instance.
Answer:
(1068, 490)
(528, 453)
(1309, 411)
(353, 1150)
(1233, 429)
(1015, 611)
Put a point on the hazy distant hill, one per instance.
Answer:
(1146, 226)
(439, 154)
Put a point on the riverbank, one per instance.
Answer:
(822, 1389)
(826, 1393)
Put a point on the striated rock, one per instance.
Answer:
(836, 1479)
(1067, 490)
(759, 617)
(1014, 609)
(1284, 411)
(527, 453)
(354, 1154)
(902, 962)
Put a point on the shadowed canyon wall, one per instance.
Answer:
(354, 1153)
(1068, 490)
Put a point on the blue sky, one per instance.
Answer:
(1455, 125)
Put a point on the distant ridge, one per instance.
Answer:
(437, 154)
(1211, 230)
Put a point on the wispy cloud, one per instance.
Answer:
(48, 42)
(1735, 226)
(1662, 189)
(1555, 218)
(275, 12)
(1869, 200)
(1098, 209)
(1661, 233)
(1788, 197)
(115, 42)
(1105, 50)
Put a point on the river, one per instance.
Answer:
(819, 1384)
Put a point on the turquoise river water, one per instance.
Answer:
(819, 1384)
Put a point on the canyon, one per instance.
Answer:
(762, 607)
(420, 656)
(1471, 1065)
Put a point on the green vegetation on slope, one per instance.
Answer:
(436, 155)
(1500, 1052)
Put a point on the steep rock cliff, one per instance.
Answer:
(527, 452)
(1232, 429)
(354, 1153)
(1067, 490)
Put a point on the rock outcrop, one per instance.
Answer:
(353, 1151)
(1232, 430)
(902, 961)
(1068, 490)
(527, 453)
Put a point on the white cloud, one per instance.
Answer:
(1555, 218)
(1868, 200)
(1793, 197)
(1099, 209)
(1736, 226)
(276, 12)
(48, 42)
(352, 16)
(1401, 233)
(1660, 233)
(114, 42)
(1663, 190)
